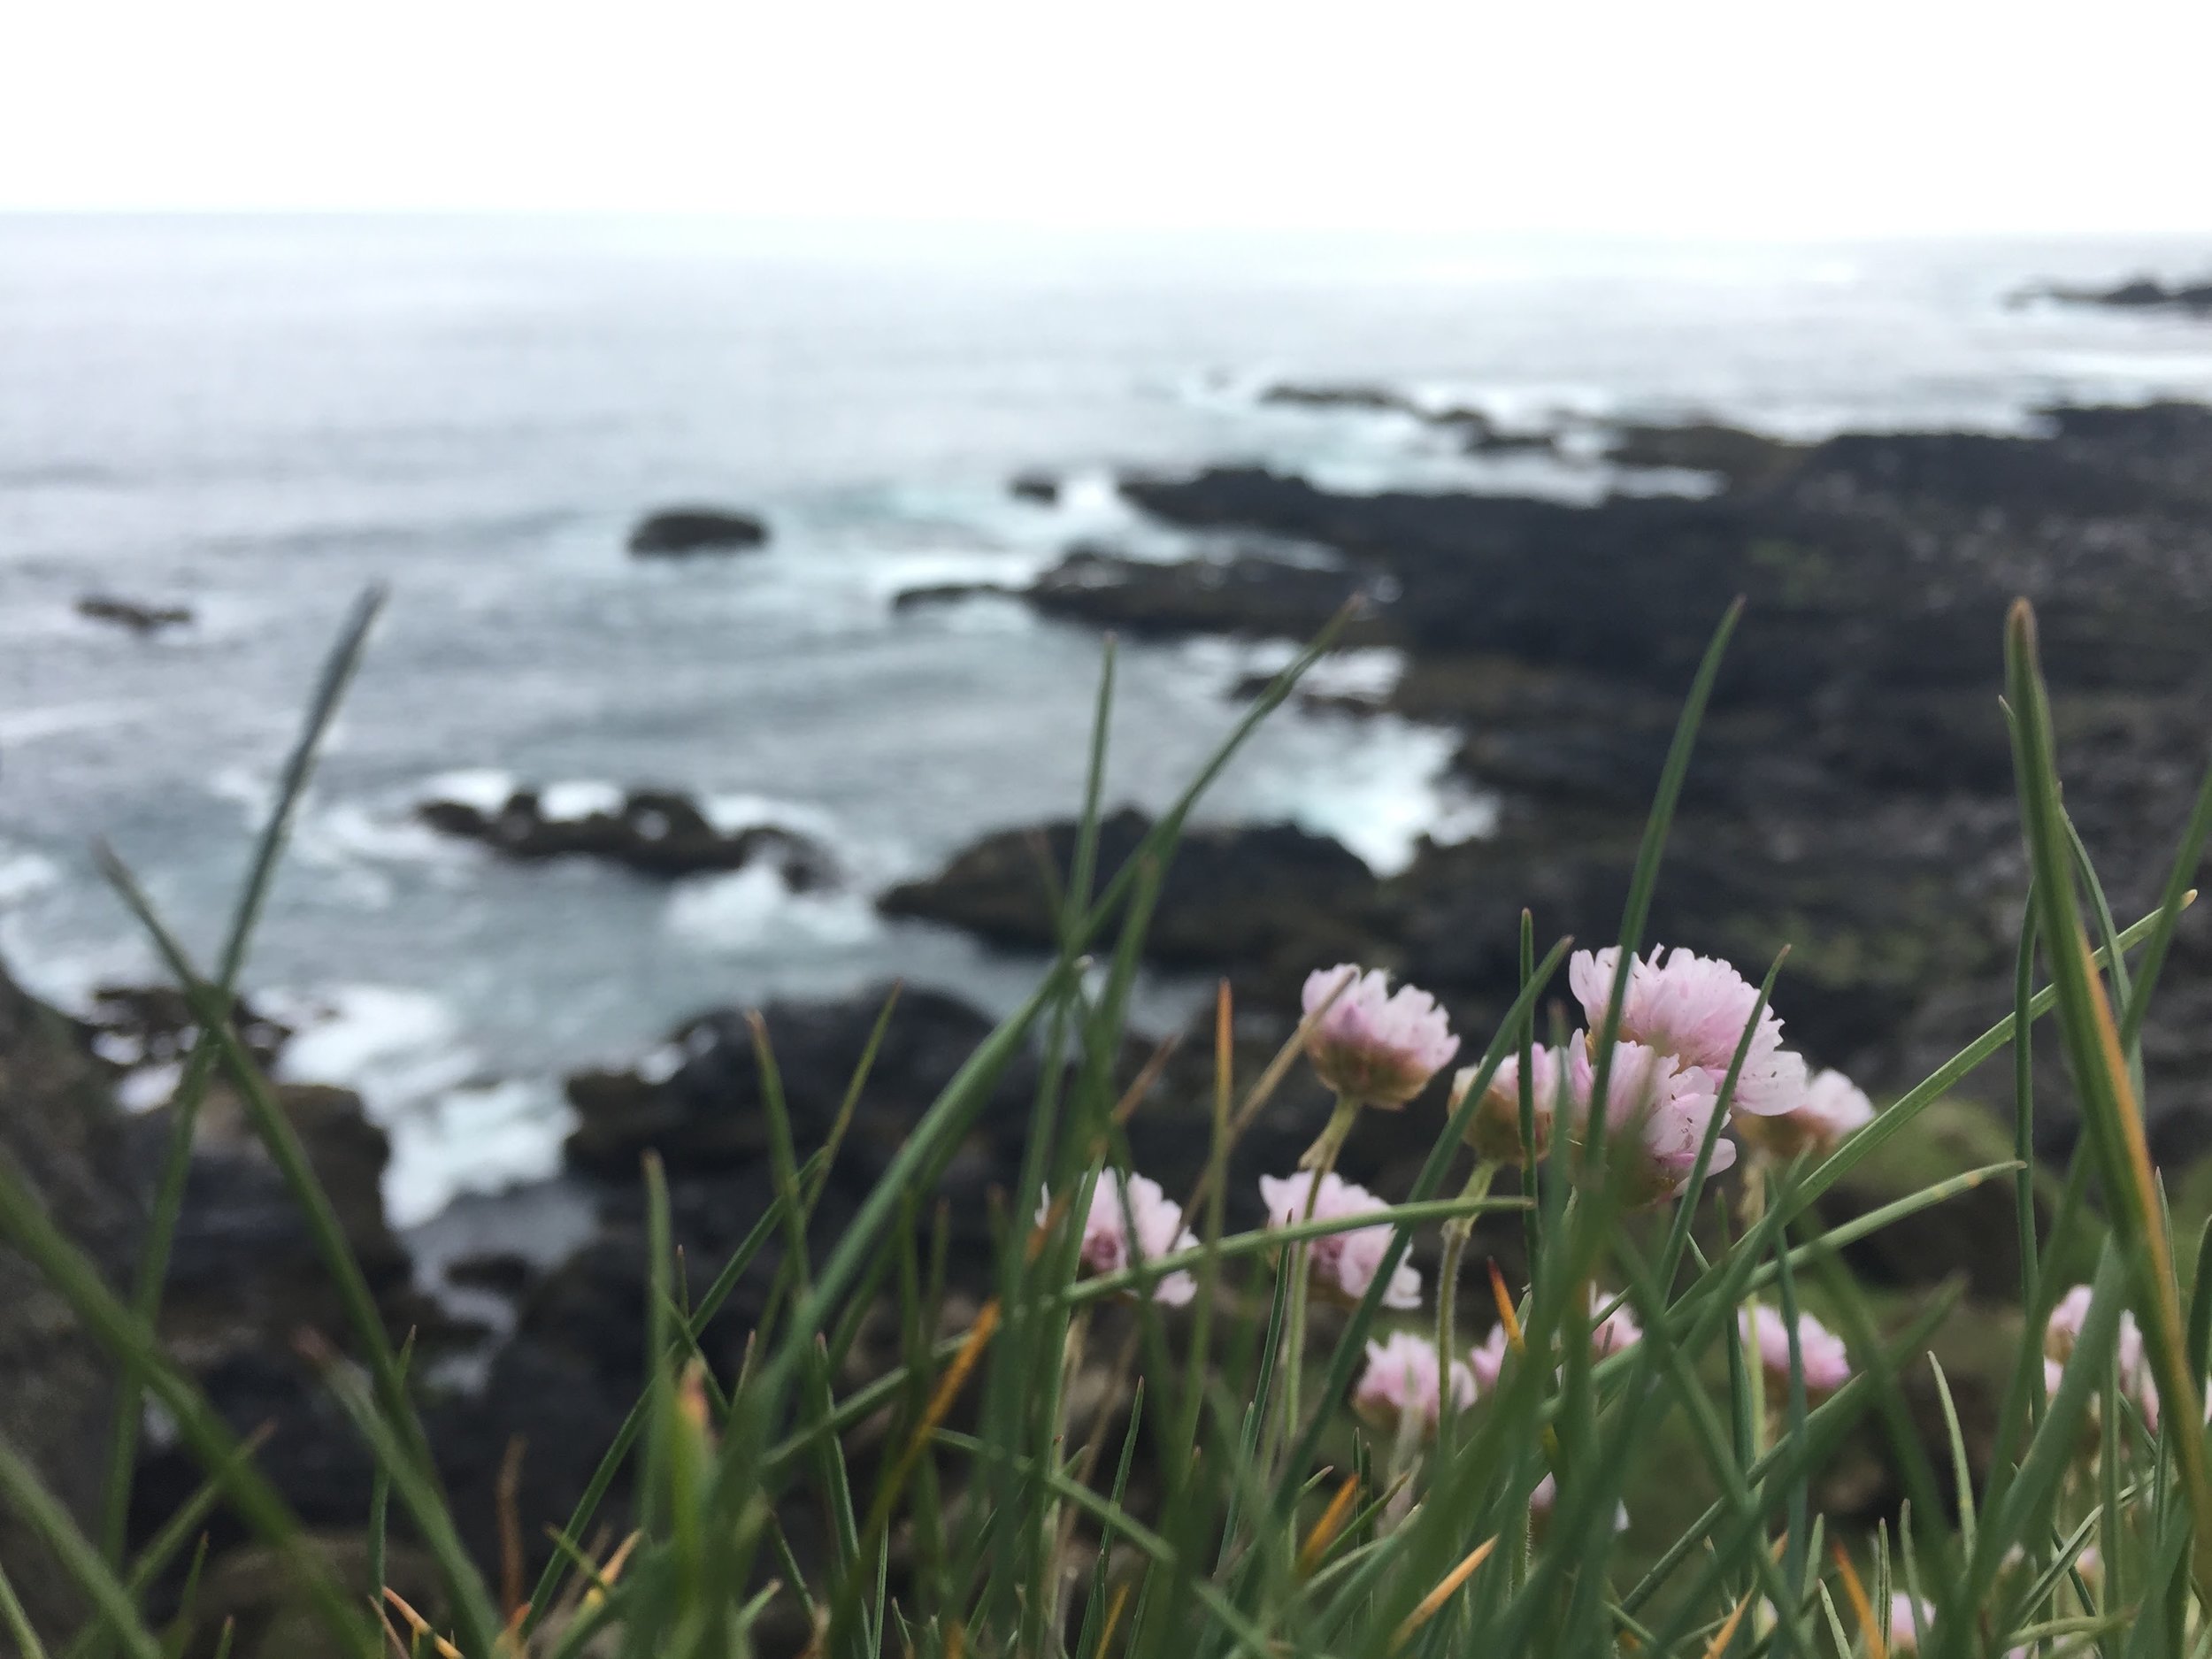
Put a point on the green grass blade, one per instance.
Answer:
(28, 1495)
(152, 1273)
(2112, 1116)
(116, 1328)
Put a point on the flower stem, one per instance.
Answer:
(1321, 1160)
(1456, 1233)
(1320, 1157)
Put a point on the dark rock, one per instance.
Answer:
(680, 532)
(2139, 294)
(655, 831)
(1250, 595)
(950, 593)
(1375, 399)
(129, 613)
(1041, 487)
(60, 1132)
(133, 1026)
(503, 1274)
(1737, 456)
(708, 1114)
(254, 1587)
(1252, 897)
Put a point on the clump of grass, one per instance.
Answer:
(1236, 1505)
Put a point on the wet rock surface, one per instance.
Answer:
(654, 832)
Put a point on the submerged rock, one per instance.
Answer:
(129, 613)
(680, 532)
(655, 831)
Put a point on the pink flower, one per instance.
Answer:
(1834, 1110)
(1160, 1231)
(1494, 1131)
(2061, 1334)
(1375, 1046)
(1489, 1359)
(1656, 1115)
(1401, 1384)
(1616, 1332)
(1343, 1264)
(1827, 1366)
(1696, 1009)
(1905, 1630)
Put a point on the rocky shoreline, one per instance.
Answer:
(1851, 799)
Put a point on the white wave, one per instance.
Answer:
(889, 575)
(149, 1087)
(1389, 785)
(579, 798)
(1359, 674)
(25, 874)
(732, 812)
(28, 725)
(350, 829)
(486, 788)
(362, 1036)
(751, 911)
(472, 1137)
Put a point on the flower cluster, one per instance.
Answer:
(2062, 1335)
(1343, 1264)
(1821, 1355)
(1370, 1044)
(1687, 1022)
(1107, 1244)
(1402, 1385)
(1695, 1009)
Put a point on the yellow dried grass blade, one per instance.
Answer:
(420, 1625)
(1861, 1609)
(1719, 1644)
(1113, 1617)
(1327, 1527)
(1435, 1598)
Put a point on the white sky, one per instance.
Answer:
(1749, 116)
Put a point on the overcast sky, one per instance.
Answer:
(1749, 116)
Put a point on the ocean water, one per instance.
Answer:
(257, 418)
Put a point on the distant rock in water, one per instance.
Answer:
(1250, 895)
(1357, 395)
(2138, 293)
(1480, 434)
(1041, 487)
(655, 831)
(950, 593)
(681, 531)
(128, 613)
